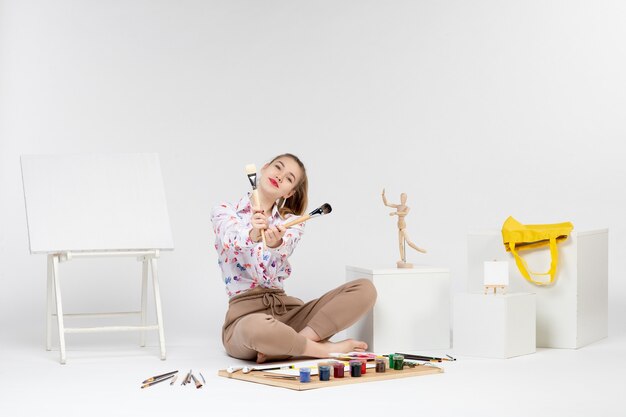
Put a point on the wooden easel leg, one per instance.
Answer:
(49, 306)
(144, 299)
(157, 303)
(59, 305)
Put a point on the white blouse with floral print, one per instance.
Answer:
(244, 263)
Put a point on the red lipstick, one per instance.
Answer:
(274, 182)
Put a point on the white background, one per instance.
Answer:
(477, 110)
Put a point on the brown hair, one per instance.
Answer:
(297, 203)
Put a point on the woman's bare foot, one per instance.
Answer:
(349, 345)
(324, 349)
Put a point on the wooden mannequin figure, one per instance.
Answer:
(403, 238)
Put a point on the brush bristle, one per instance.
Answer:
(323, 209)
(251, 169)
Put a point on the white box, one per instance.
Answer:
(412, 311)
(494, 326)
(574, 311)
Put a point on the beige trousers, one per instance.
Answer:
(268, 321)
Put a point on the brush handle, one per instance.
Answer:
(257, 206)
(297, 221)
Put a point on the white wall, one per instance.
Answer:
(477, 110)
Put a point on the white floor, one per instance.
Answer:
(105, 381)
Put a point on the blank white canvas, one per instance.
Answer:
(496, 273)
(95, 202)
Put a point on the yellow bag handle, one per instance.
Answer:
(523, 267)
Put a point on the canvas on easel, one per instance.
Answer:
(97, 205)
(496, 277)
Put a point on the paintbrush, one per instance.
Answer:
(293, 377)
(248, 369)
(153, 378)
(251, 172)
(320, 211)
(426, 358)
(149, 384)
(195, 380)
(187, 379)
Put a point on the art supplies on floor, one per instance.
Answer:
(300, 375)
(341, 369)
(172, 377)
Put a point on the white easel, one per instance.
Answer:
(104, 206)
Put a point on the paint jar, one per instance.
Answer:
(380, 366)
(355, 368)
(305, 375)
(398, 362)
(385, 360)
(338, 369)
(363, 366)
(324, 372)
(391, 360)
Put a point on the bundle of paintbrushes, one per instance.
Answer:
(190, 376)
(256, 203)
(172, 376)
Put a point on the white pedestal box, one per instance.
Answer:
(412, 311)
(493, 326)
(574, 311)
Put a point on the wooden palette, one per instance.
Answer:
(259, 378)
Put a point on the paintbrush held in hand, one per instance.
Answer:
(320, 211)
(256, 203)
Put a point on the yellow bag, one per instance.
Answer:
(517, 236)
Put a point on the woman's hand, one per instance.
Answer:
(259, 222)
(274, 236)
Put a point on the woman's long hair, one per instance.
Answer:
(297, 203)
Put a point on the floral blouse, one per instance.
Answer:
(244, 263)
